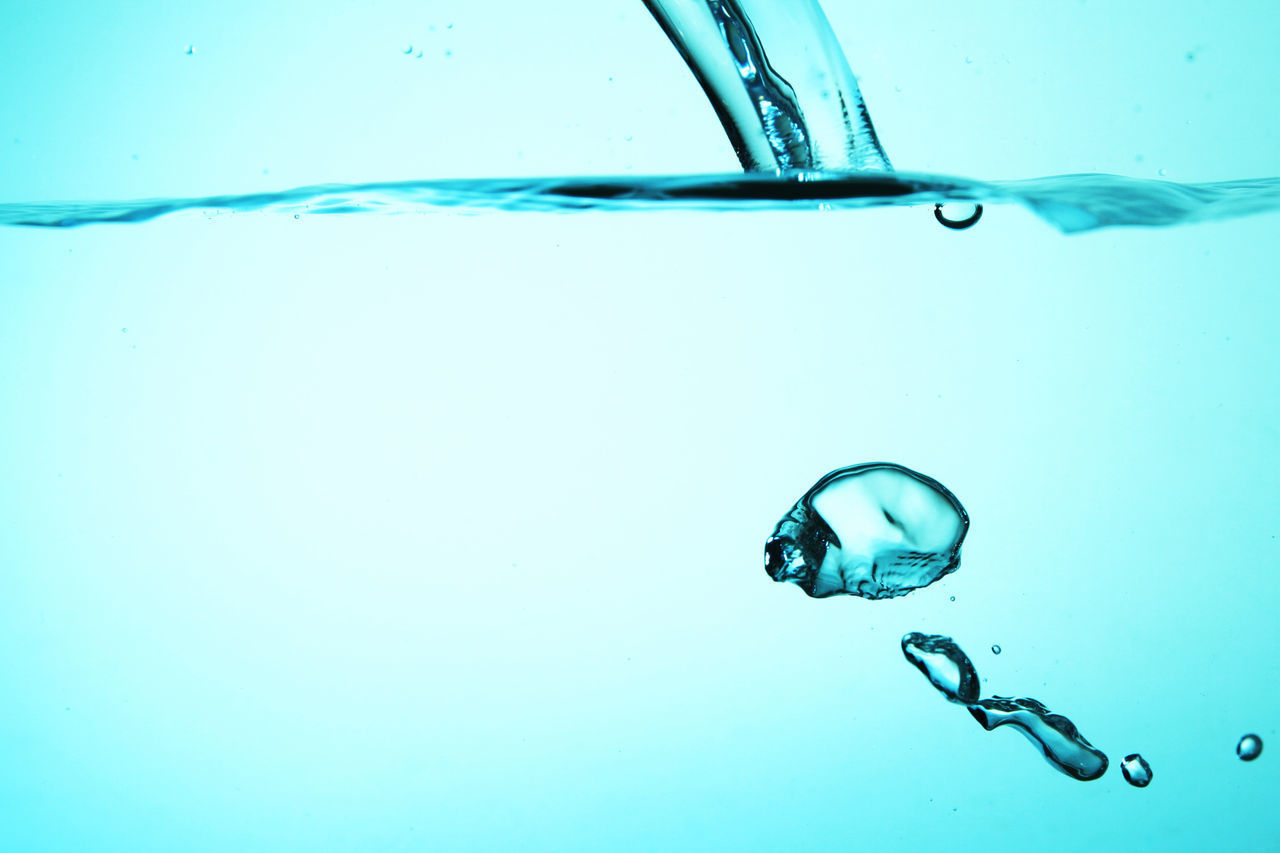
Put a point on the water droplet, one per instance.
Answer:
(995, 650)
(877, 530)
(945, 664)
(1249, 747)
(191, 50)
(1057, 738)
(972, 213)
(1136, 770)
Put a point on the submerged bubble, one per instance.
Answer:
(969, 220)
(191, 50)
(877, 530)
(1137, 772)
(995, 650)
(1249, 747)
(1057, 738)
(408, 50)
(949, 669)
(945, 664)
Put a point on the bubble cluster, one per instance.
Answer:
(877, 530)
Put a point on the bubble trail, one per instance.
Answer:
(1249, 747)
(949, 670)
(1137, 772)
(877, 530)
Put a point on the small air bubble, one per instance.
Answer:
(968, 60)
(124, 330)
(972, 213)
(953, 598)
(1249, 747)
(418, 55)
(297, 216)
(191, 50)
(408, 50)
(1136, 770)
(995, 650)
(1162, 172)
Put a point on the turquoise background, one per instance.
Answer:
(444, 532)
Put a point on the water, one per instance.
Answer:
(1249, 748)
(1137, 772)
(877, 530)
(443, 531)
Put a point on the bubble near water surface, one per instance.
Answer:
(877, 530)
(946, 666)
(1137, 772)
(1249, 747)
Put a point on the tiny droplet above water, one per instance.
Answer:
(995, 650)
(1249, 747)
(1137, 772)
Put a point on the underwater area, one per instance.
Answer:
(533, 478)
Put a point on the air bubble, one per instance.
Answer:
(191, 50)
(877, 530)
(949, 670)
(973, 213)
(1249, 747)
(945, 664)
(995, 650)
(1136, 770)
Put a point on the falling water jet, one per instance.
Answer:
(796, 107)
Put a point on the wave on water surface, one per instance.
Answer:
(1072, 203)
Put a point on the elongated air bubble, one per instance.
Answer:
(877, 530)
(951, 672)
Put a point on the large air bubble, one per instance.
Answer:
(877, 530)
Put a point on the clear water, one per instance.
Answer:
(443, 531)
